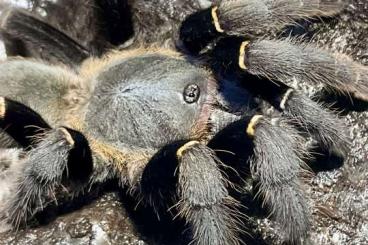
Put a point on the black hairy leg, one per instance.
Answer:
(23, 33)
(20, 122)
(117, 24)
(266, 68)
(310, 116)
(313, 118)
(284, 60)
(61, 154)
(204, 199)
(256, 18)
(278, 60)
(276, 167)
(142, 101)
(256, 62)
(249, 18)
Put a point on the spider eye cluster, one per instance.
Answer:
(191, 93)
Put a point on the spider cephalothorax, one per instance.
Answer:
(118, 115)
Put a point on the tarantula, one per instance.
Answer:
(152, 116)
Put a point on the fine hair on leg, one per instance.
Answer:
(284, 60)
(322, 124)
(204, 199)
(255, 17)
(276, 167)
(54, 157)
(249, 18)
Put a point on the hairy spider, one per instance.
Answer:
(154, 118)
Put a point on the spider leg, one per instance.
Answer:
(253, 17)
(250, 18)
(276, 167)
(51, 157)
(61, 155)
(23, 33)
(320, 123)
(56, 158)
(310, 116)
(51, 91)
(204, 199)
(116, 20)
(283, 60)
(20, 122)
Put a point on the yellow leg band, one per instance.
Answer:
(252, 124)
(185, 147)
(2, 107)
(67, 135)
(216, 21)
(243, 46)
(285, 98)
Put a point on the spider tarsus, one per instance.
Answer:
(204, 199)
(320, 123)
